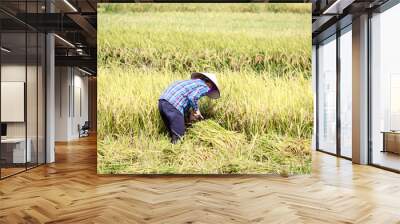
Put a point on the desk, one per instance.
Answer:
(391, 141)
(15, 148)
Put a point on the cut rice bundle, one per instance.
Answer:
(209, 132)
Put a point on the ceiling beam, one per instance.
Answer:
(337, 7)
(84, 24)
(78, 61)
(49, 22)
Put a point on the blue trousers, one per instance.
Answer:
(173, 120)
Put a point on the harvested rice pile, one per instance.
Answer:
(207, 148)
(278, 153)
(210, 133)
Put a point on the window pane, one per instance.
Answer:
(386, 88)
(346, 92)
(327, 96)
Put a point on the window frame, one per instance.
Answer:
(338, 34)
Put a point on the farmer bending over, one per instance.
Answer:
(179, 97)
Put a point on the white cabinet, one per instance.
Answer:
(19, 155)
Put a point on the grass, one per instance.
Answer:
(261, 55)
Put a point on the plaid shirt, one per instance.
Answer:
(185, 94)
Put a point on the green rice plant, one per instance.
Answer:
(262, 57)
(251, 103)
(276, 42)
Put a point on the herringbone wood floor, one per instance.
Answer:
(70, 191)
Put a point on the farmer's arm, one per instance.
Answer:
(195, 96)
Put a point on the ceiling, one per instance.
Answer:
(330, 15)
(73, 21)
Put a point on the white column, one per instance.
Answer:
(314, 87)
(50, 92)
(62, 103)
(360, 90)
(50, 98)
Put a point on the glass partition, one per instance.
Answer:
(14, 153)
(327, 95)
(22, 77)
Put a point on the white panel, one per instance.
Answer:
(19, 155)
(12, 101)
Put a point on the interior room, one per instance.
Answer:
(48, 75)
(22, 96)
(375, 45)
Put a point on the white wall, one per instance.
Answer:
(80, 88)
(62, 82)
(33, 126)
(70, 83)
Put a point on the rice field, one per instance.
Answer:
(261, 54)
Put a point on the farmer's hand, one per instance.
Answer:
(198, 115)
